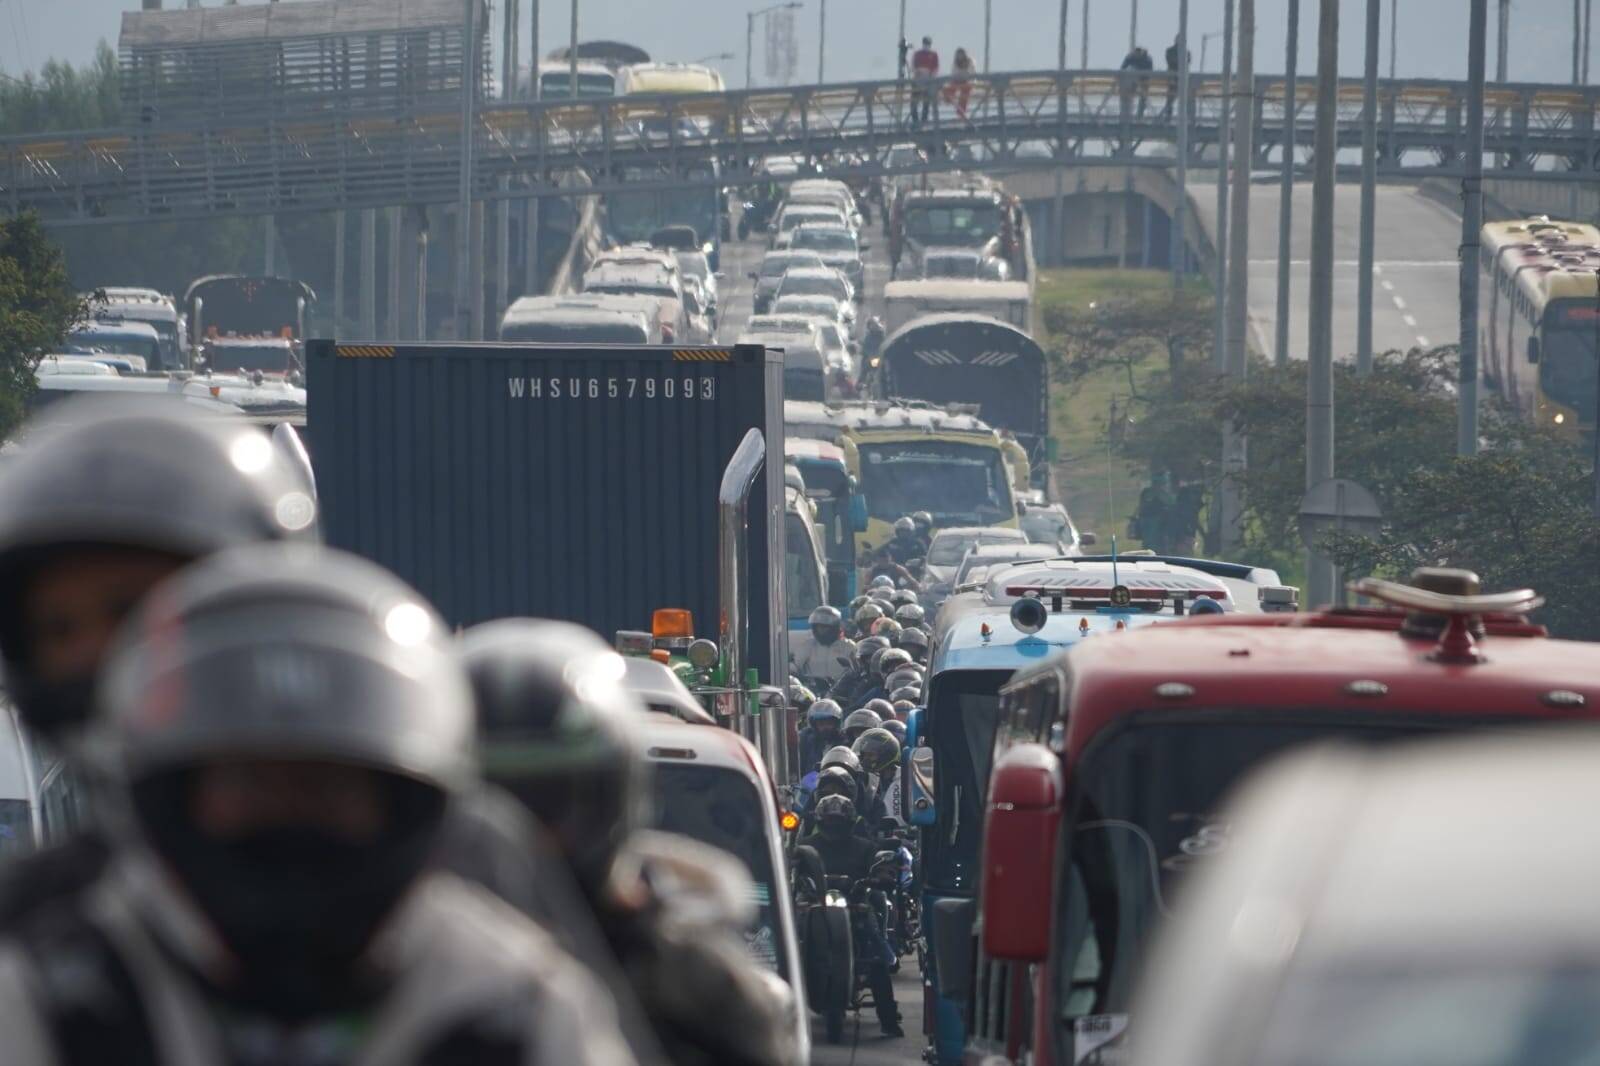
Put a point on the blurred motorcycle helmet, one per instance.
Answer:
(835, 781)
(867, 649)
(553, 724)
(877, 749)
(825, 710)
(858, 722)
(282, 727)
(144, 486)
(827, 624)
(910, 614)
(902, 679)
(908, 694)
(904, 528)
(882, 581)
(879, 707)
(924, 522)
(855, 604)
(841, 755)
(836, 815)
(903, 597)
(914, 642)
(897, 727)
(887, 628)
(866, 616)
(892, 660)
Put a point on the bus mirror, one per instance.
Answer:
(1018, 854)
(916, 788)
(1088, 540)
(1533, 349)
(858, 514)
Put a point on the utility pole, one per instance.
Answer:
(572, 53)
(1133, 24)
(1588, 24)
(469, 85)
(1319, 372)
(988, 22)
(1577, 40)
(822, 35)
(533, 46)
(1083, 45)
(1280, 346)
(1502, 42)
(1219, 326)
(1234, 457)
(1058, 203)
(1471, 222)
(1394, 7)
(1369, 193)
(1179, 244)
(508, 50)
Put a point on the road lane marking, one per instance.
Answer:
(1400, 303)
(1423, 341)
(1410, 321)
(1388, 286)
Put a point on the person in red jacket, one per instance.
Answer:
(924, 68)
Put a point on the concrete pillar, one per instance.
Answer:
(338, 272)
(367, 268)
(475, 272)
(393, 317)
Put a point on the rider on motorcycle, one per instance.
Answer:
(823, 730)
(827, 655)
(846, 854)
(861, 679)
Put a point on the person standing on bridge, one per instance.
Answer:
(959, 91)
(924, 68)
(1172, 75)
(1139, 64)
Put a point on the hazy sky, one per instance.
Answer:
(861, 33)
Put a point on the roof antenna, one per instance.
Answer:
(1114, 580)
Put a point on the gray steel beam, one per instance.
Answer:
(1238, 302)
(1471, 222)
(1319, 372)
(1280, 348)
(1219, 326)
(367, 270)
(1369, 193)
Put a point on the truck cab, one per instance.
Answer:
(1028, 614)
(1112, 759)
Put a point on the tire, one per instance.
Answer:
(833, 1021)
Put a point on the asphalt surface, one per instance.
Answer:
(1414, 256)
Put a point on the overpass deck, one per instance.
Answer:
(337, 156)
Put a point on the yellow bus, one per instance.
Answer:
(1539, 318)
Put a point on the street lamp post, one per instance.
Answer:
(822, 36)
(750, 31)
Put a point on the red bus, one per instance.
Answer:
(1113, 759)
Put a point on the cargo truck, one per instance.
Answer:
(608, 485)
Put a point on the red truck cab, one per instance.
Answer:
(1114, 759)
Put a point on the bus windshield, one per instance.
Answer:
(802, 581)
(1567, 366)
(962, 484)
(557, 85)
(1147, 804)
(957, 224)
(721, 808)
(963, 710)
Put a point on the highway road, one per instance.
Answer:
(1414, 301)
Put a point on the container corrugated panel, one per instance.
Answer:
(546, 480)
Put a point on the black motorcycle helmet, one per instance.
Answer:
(827, 624)
(858, 722)
(282, 727)
(904, 528)
(836, 815)
(841, 755)
(153, 481)
(892, 660)
(877, 749)
(867, 648)
(914, 642)
(835, 781)
(553, 721)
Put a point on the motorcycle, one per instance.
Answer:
(827, 946)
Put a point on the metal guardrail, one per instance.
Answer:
(337, 158)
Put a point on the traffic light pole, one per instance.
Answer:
(1319, 377)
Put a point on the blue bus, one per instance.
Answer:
(635, 216)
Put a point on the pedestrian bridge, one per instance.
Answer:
(325, 152)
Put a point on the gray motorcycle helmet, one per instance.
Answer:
(553, 720)
(155, 475)
(279, 664)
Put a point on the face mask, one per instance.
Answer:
(54, 709)
(835, 828)
(824, 636)
(298, 907)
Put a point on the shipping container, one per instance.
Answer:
(550, 480)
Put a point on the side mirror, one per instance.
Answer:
(1018, 865)
(858, 515)
(1088, 540)
(1533, 349)
(916, 788)
(1022, 508)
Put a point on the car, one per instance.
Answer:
(773, 266)
(1439, 875)
(985, 557)
(805, 371)
(836, 343)
(818, 281)
(643, 278)
(792, 215)
(949, 546)
(817, 305)
(694, 264)
(839, 248)
(697, 314)
(663, 691)
(711, 785)
(574, 325)
(829, 191)
(1049, 523)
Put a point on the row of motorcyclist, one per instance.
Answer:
(295, 853)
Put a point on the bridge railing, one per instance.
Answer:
(328, 158)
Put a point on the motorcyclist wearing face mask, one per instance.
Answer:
(827, 656)
(553, 723)
(105, 499)
(846, 853)
(280, 731)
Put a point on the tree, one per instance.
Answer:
(63, 97)
(37, 308)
